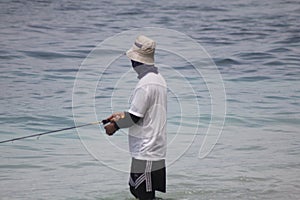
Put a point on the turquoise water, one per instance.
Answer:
(254, 44)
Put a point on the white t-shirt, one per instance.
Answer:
(148, 138)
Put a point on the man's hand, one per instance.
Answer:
(110, 129)
(116, 116)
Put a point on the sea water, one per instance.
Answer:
(255, 46)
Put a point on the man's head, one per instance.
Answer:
(142, 50)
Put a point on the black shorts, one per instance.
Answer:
(146, 177)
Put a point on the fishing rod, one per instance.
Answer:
(103, 122)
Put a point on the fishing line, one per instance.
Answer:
(103, 122)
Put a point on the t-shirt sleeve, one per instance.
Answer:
(139, 103)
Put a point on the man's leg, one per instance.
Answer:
(141, 194)
(141, 179)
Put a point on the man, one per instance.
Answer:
(146, 120)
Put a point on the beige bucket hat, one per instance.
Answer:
(142, 50)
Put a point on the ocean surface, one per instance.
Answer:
(46, 46)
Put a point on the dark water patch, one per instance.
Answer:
(10, 57)
(86, 46)
(24, 73)
(295, 103)
(39, 26)
(40, 97)
(274, 63)
(132, 12)
(64, 70)
(250, 79)
(221, 42)
(279, 50)
(294, 152)
(226, 61)
(208, 29)
(267, 107)
(254, 56)
(230, 19)
(43, 29)
(107, 88)
(30, 157)
(250, 71)
(58, 76)
(251, 148)
(48, 55)
(103, 96)
(100, 25)
(19, 166)
(214, 9)
(277, 97)
(292, 71)
(60, 92)
(230, 100)
(290, 41)
(278, 130)
(286, 113)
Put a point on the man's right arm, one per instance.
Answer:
(120, 120)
